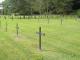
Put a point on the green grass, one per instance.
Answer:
(61, 42)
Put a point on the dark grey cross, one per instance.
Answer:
(4, 17)
(20, 17)
(6, 26)
(24, 17)
(61, 21)
(40, 35)
(0, 23)
(48, 19)
(17, 29)
(12, 18)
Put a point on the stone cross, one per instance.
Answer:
(6, 26)
(17, 29)
(40, 35)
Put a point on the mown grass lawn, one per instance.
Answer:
(61, 41)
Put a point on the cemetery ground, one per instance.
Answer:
(61, 40)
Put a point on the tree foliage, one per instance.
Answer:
(29, 7)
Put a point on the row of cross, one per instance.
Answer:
(40, 33)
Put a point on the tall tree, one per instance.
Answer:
(29, 7)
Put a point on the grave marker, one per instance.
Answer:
(12, 17)
(0, 23)
(24, 17)
(61, 21)
(5, 17)
(6, 26)
(40, 36)
(20, 17)
(17, 29)
(48, 19)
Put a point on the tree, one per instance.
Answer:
(29, 7)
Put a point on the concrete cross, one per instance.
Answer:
(6, 26)
(40, 35)
(17, 30)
